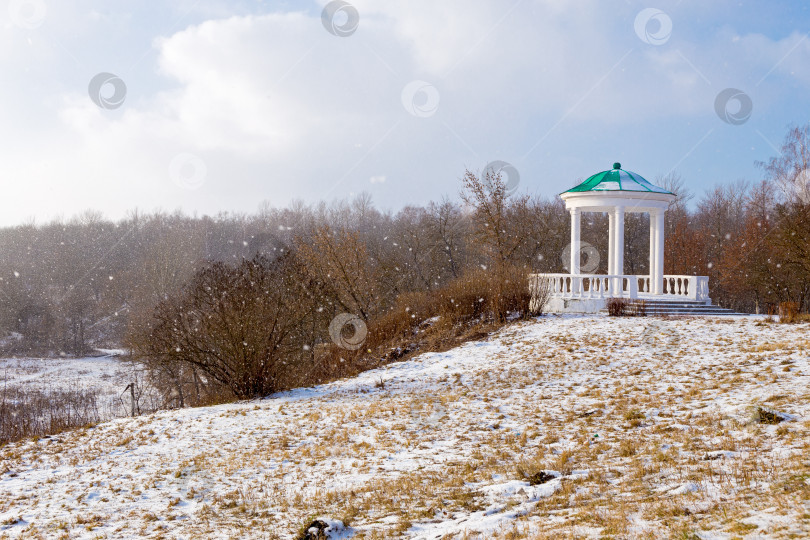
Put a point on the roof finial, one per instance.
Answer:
(617, 165)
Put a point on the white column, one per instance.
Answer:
(618, 248)
(659, 250)
(652, 251)
(611, 242)
(575, 225)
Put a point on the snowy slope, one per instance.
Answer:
(642, 426)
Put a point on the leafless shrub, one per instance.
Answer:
(243, 328)
(500, 294)
(465, 308)
(540, 292)
(788, 312)
(622, 307)
(617, 307)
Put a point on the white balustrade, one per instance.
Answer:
(592, 286)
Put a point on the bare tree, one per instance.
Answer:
(496, 230)
(340, 258)
(790, 170)
(447, 227)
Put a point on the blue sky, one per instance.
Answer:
(228, 104)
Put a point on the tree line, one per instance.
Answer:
(69, 286)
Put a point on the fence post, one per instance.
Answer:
(131, 388)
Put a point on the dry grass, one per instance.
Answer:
(650, 442)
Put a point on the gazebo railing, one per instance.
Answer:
(592, 286)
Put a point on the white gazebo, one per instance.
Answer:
(617, 192)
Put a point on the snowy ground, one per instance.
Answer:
(107, 375)
(644, 428)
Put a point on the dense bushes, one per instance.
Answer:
(263, 326)
(30, 413)
(479, 297)
(268, 324)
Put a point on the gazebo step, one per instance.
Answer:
(709, 313)
(673, 303)
(689, 307)
(696, 312)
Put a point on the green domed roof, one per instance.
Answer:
(617, 179)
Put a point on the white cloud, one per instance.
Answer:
(276, 107)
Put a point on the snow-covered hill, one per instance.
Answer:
(565, 425)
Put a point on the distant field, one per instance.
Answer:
(560, 427)
(107, 375)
